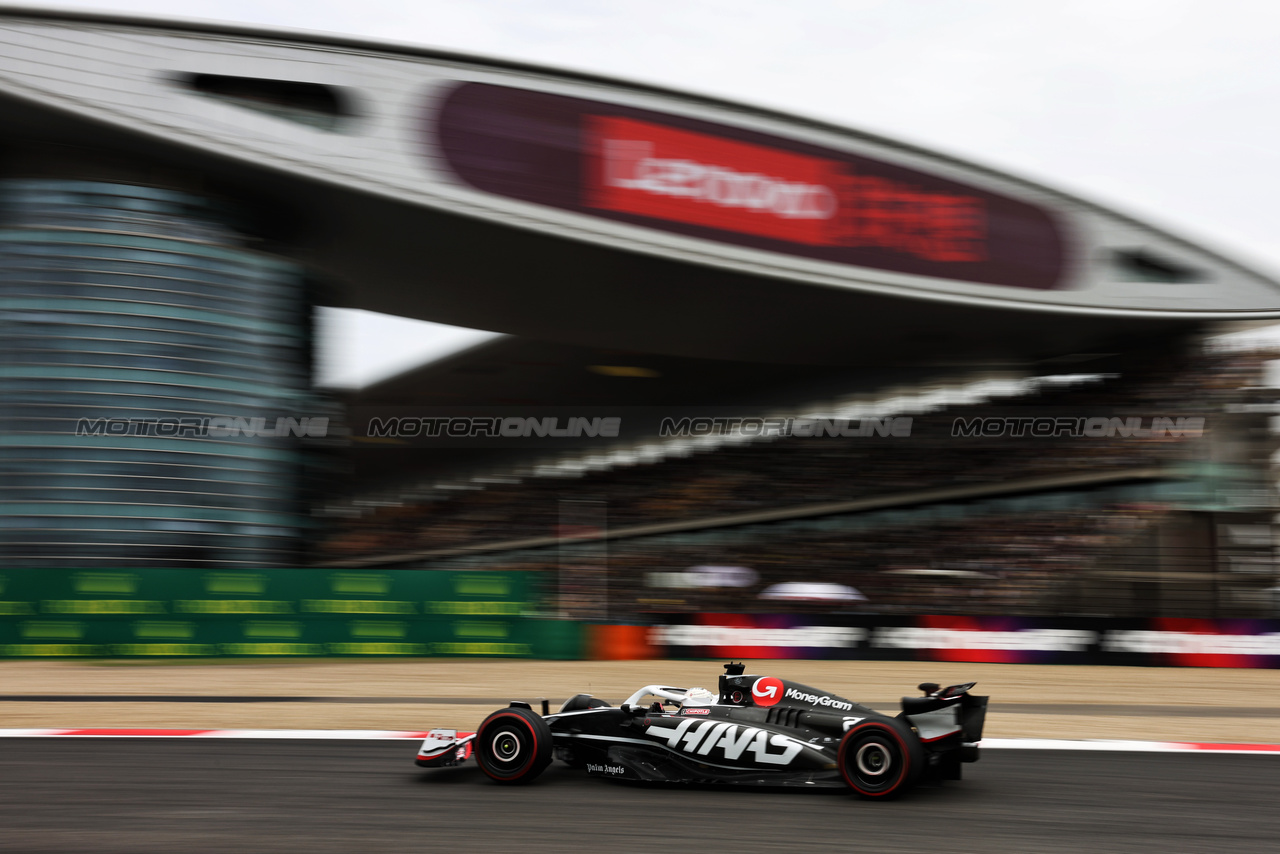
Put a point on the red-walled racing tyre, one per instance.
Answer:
(880, 759)
(513, 746)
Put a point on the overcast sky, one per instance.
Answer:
(1160, 108)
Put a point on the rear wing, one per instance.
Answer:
(943, 713)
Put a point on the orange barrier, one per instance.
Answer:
(619, 643)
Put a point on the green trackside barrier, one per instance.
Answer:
(128, 613)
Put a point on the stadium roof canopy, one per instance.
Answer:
(607, 214)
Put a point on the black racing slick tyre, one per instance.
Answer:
(513, 746)
(880, 759)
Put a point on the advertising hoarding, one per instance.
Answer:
(275, 612)
(740, 187)
(1166, 642)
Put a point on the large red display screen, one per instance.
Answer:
(739, 187)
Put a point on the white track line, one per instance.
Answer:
(329, 734)
(1105, 745)
(1122, 745)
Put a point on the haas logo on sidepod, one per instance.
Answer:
(767, 691)
(731, 742)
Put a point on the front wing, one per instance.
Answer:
(444, 747)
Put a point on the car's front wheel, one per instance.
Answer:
(513, 745)
(879, 760)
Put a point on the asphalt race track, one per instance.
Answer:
(134, 796)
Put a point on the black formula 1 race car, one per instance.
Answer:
(756, 731)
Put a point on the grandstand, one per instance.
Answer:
(1027, 524)
(176, 203)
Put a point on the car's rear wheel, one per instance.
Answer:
(878, 759)
(513, 746)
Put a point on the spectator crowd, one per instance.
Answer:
(994, 561)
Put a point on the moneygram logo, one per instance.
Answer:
(767, 691)
(818, 699)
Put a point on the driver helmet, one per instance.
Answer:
(699, 697)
